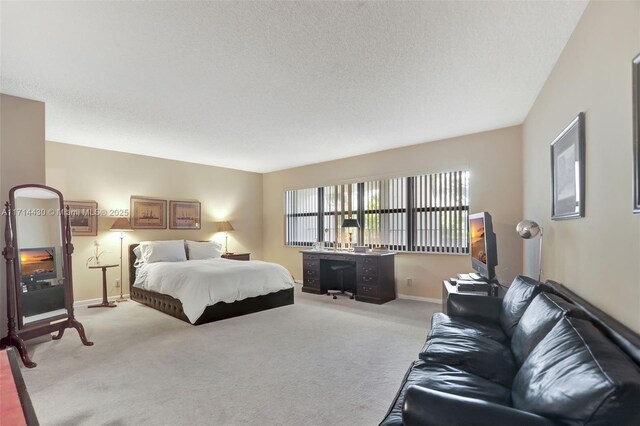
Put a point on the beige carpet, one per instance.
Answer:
(318, 362)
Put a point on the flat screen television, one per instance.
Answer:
(484, 251)
(37, 264)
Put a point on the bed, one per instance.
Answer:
(218, 311)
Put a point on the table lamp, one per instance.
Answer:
(350, 224)
(121, 225)
(529, 229)
(225, 227)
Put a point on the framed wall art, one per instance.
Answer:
(567, 171)
(83, 217)
(636, 134)
(148, 213)
(184, 215)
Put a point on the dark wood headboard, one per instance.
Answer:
(132, 269)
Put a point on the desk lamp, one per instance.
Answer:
(121, 225)
(224, 227)
(528, 229)
(350, 224)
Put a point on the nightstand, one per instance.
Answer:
(237, 256)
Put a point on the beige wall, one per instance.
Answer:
(22, 159)
(110, 178)
(494, 159)
(597, 256)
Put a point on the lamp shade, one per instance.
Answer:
(121, 225)
(351, 223)
(527, 229)
(223, 226)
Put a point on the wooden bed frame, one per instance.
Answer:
(219, 311)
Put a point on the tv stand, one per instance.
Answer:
(41, 300)
(472, 276)
(448, 287)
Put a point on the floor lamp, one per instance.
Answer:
(121, 225)
(528, 229)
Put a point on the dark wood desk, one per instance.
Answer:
(105, 303)
(374, 273)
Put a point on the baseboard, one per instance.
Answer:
(98, 300)
(419, 298)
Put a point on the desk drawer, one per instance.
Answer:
(306, 257)
(367, 290)
(311, 264)
(368, 279)
(336, 256)
(311, 282)
(370, 260)
(367, 268)
(311, 273)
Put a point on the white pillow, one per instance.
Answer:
(139, 259)
(204, 250)
(163, 251)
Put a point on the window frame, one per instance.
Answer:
(410, 210)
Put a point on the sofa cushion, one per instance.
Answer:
(442, 325)
(544, 311)
(449, 379)
(516, 300)
(575, 375)
(475, 354)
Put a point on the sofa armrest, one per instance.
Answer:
(424, 407)
(474, 307)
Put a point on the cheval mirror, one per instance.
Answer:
(38, 257)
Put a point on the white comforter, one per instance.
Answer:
(200, 283)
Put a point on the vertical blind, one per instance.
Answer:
(301, 213)
(425, 213)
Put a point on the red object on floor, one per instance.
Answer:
(11, 410)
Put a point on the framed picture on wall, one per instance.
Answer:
(184, 215)
(148, 213)
(83, 218)
(567, 172)
(636, 134)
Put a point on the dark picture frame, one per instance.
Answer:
(83, 218)
(148, 213)
(567, 171)
(184, 214)
(636, 134)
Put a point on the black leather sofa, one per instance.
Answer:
(539, 356)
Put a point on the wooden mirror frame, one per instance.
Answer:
(17, 269)
(18, 333)
(636, 134)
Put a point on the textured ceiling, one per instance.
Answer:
(266, 86)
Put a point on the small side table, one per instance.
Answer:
(237, 256)
(105, 303)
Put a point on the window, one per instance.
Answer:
(426, 213)
(339, 202)
(301, 215)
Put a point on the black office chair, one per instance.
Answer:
(340, 269)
